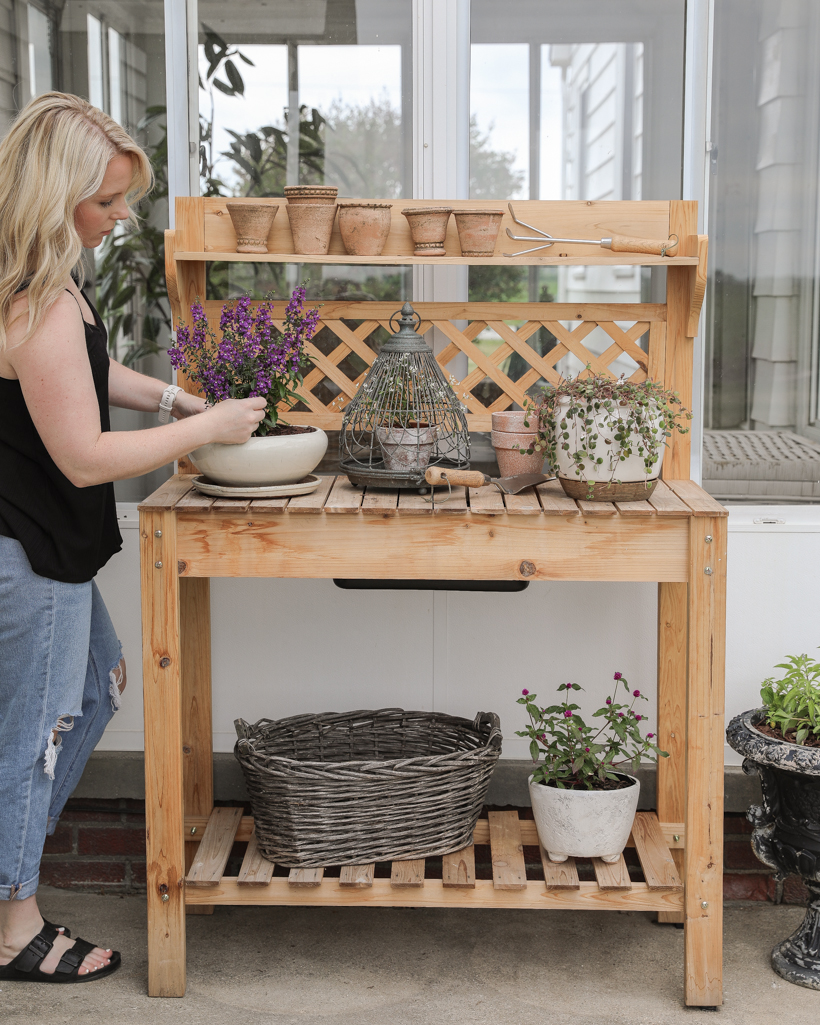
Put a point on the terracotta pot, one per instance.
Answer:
(252, 223)
(428, 228)
(478, 230)
(297, 195)
(406, 448)
(517, 421)
(364, 227)
(311, 225)
(510, 458)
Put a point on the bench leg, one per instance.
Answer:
(162, 685)
(703, 868)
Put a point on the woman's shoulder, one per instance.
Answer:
(64, 312)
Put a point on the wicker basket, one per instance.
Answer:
(352, 788)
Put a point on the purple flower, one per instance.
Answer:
(636, 693)
(567, 714)
(638, 717)
(525, 692)
(617, 676)
(620, 715)
(586, 749)
(649, 736)
(609, 701)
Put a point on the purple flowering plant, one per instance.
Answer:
(575, 755)
(252, 358)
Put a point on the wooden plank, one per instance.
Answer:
(458, 869)
(659, 869)
(554, 501)
(596, 508)
(703, 871)
(168, 494)
(507, 851)
(525, 503)
(270, 505)
(700, 247)
(356, 875)
(562, 259)
(197, 726)
(641, 508)
(588, 896)
(562, 548)
(231, 505)
(666, 503)
(380, 502)
(561, 875)
(411, 503)
(308, 877)
(407, 873)
(699, 501)
(486, 501)
(255, 870)
(613, 876)
(456, 502)
(162, 698)
(672, 656)
(215, 847)
(194, 500)
(315, 501)
(344, 497)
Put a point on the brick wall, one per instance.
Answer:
(99, 846)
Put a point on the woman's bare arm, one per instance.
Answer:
(131, 390)
(55, 376)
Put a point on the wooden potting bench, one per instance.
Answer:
(677, 539)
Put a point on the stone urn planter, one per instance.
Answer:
(786, 834)
(584, 823)
(298, 195)
(252, 223)
(311, 225)
(478, 230)
(262, 462)
(513, 431)
(364, 227)
(406, 447)
(428, 228)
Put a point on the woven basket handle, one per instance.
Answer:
(495, 738)
(243, 729)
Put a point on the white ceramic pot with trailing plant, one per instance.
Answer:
(606, 437)
(582, 800)
(780, 742)
(253, 358)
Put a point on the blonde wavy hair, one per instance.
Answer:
(54, 157)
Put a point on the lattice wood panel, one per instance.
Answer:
(570, 325)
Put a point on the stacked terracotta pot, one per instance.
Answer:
(514, 435)
(311, 212)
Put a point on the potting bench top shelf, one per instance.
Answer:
(677, 537)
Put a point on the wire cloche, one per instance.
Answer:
(405, 417)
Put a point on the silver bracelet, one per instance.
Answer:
(166, 403)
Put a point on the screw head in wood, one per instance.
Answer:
(675, 836)
(157, 565)
(708, 571)
(704, 904)
(157, 533)
(165, 662)
(165, 897)
(708, 539)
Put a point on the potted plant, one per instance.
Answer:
(606, 437)
(583, 802)
(405, 436)
(781, 743)
(252, 358)
(515, 440)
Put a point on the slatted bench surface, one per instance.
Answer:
(337, 496)
(410, 885)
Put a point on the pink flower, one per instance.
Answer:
(525, 692)
(617, 676)
(586, 749)
(609, 701)
(638, 717)
(567, 714)
(649, 736)
(636, 693)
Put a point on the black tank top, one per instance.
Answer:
(67, 532)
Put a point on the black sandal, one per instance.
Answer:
(66, 932)
(26, 966)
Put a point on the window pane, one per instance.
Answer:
(317, 93)
(573, 101)
(112, 54)
(761, 394)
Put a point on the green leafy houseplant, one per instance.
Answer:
(581, 756)
(793, 703)
(594, 423)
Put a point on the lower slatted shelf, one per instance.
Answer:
(458, 886)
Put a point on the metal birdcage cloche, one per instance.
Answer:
(405, 417)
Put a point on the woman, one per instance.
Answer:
(67, 175)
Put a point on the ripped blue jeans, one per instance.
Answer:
(59, 687)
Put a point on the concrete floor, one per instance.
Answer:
(398, 966)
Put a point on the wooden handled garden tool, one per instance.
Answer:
(617, 243)
(476, 479)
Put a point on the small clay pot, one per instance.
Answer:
(428, 228)
(364, 227)
(510, 458)
(252, 223)
(478, 230)
(311, 225)
(516, 421)
(296, 195)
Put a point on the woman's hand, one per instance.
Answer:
(234, 420)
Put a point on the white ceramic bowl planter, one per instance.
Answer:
(260, 462)
(584, 823)
(629, 470)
